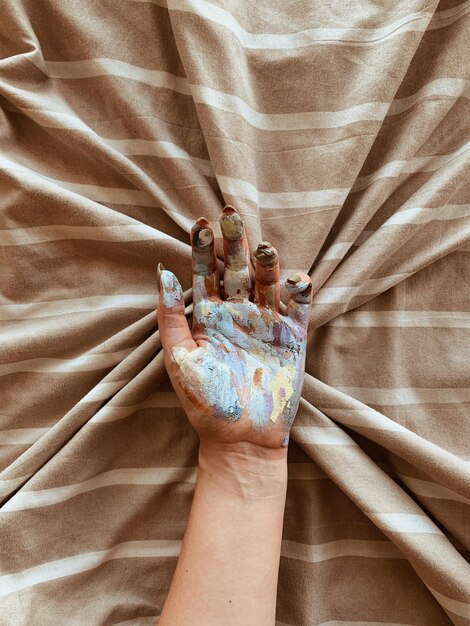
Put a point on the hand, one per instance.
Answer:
(239, 372)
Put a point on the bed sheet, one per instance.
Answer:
(340, 132)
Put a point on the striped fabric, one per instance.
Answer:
(340, 131)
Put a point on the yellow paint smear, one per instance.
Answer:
(283, 378)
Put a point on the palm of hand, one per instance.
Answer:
(239, 373)
(248, 370)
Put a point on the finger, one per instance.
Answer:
(237, 271)
(267, 272)
(172, 322)
(206, 281)
(300, 298)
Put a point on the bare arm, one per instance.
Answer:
(238, 374)
(228, 567)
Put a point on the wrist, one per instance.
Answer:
(245, 469)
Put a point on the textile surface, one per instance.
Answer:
(340, 132)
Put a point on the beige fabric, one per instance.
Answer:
(340, 131)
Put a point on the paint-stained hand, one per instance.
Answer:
(239, 372)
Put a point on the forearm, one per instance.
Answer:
(227, 571)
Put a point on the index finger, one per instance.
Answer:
(204, 262)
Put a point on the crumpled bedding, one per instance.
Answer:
(340, 132)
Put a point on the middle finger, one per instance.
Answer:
(267, 288)
(237, 270)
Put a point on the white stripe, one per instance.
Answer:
(402, 319)
(23, 500)
(340, 549)
(336, 295)
(365, 418)
(103, 391)
(307, 120)
(393, 169)
(423, 215)
(431, 490)
(325, 436)
(11, 583)
(287, 199)
(21, 436)
(405, 523)
(441, 87)
(439, 19)
(130, 147)
(165, 149)
(336, 251)
(7, 485)
(57, 119)
(454, 606)
(337, 36)
(161, 149)
(448, 16)
(408, 395)
(86, 362)
(367, 111)
(92, 192)
(52, 308)
(110, 413)
(237, 187)
(88, 68)
(58, 232)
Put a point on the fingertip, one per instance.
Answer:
(229, 209)
(231, 224)
(300, 287)
(171, 290)
(173, 326)
(266, 254)
(267, 272)
(202, 234)
(299, 306)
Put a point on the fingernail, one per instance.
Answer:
(301, 289)
(232, 226)
(160, 269)
(205, 237)
(229, 209)
(172, 290)
(202, 237)
(266, 254)
(201, 233)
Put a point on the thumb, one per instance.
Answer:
(172, 322)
